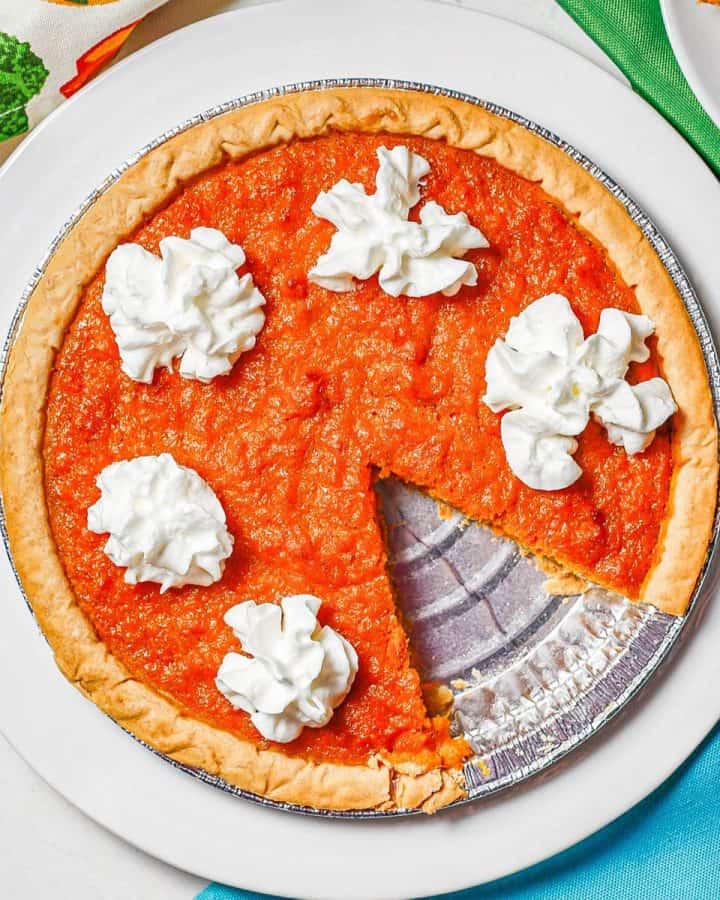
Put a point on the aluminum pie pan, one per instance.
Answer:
(534, 676)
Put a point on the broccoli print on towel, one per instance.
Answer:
(22, 75)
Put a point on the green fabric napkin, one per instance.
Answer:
(632, 33)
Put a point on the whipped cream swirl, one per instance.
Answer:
(188, 303)
(165, 522)
(552, 379)
(299, 672)
(374, 234)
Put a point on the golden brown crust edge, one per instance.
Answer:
(146, 186)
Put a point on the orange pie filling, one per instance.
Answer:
(340, 387)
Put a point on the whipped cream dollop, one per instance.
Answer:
(374, 234)
(552, 379)
(165, 522)
(299, 672)
(189, 302)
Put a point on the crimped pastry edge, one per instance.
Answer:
(118, 211)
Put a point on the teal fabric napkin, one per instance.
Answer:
(665, 848)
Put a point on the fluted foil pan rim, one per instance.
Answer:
(656, 634)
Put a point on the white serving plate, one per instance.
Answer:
(694, 32)
(69, 741)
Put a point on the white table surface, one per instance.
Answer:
(49, 848)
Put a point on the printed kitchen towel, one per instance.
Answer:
(51, 48)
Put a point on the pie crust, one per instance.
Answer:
(145, 187)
